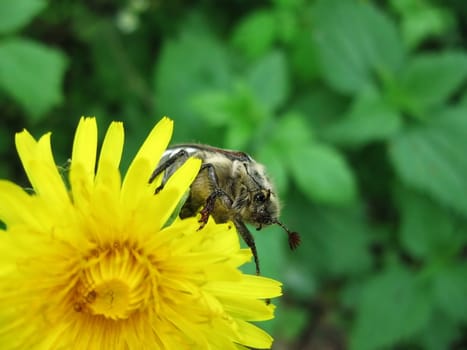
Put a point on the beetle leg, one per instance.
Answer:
(181, 155)
(249, 240)
(216, 193)
(209, 206)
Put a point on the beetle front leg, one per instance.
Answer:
(181, 156)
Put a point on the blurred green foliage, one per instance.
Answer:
(358, 109)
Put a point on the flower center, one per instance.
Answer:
(112, 299)
(114, 283)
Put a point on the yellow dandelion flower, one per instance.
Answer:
(97, 266)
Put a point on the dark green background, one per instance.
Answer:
(358, 109)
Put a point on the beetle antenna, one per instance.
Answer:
(294, 237)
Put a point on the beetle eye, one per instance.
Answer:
(260, 198)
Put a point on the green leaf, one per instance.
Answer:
(450, 290)
(427, 229)
(214, 106)
(289, 4)
(321, 106)
(431, 158)
(440, 332)
(269, 80)
(16, 14)
(370, 118)
(303, 58)
(291, 321)
(271, 156)
(300, 281)
(6, 140)
(288, 24)
(336, 242)
(355, 42)
(430, 79)
(322, 173)
(292, 132)
(393, 306)
(422, 20)
(237, 110)
(335, 246)
(238, 134)
(255, 33)
(32, 74)
(192, 64)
